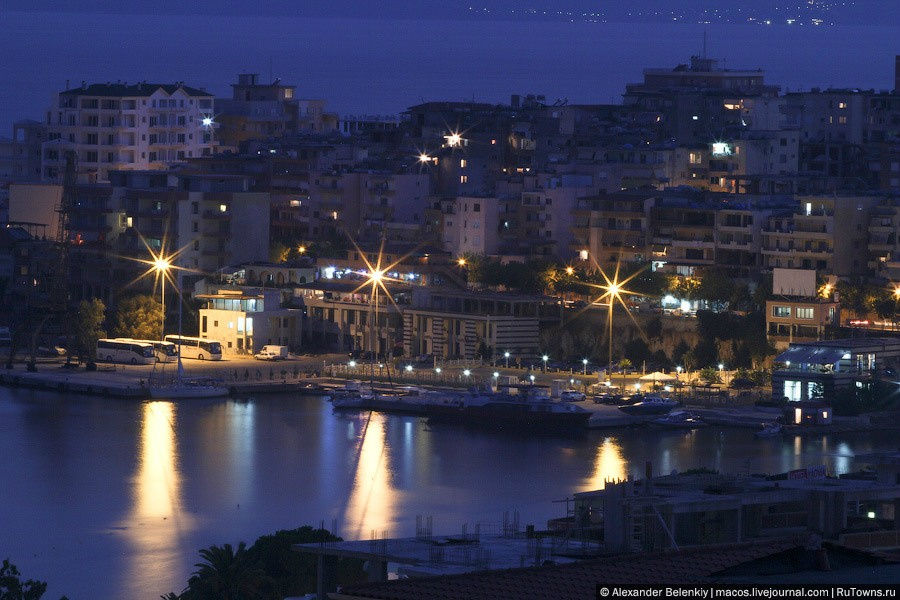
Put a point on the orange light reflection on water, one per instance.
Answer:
(373, 497)
(608, 464)
(157, 520)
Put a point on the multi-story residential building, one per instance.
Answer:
(612, 227)
(755, 162)
(697, 102)
(739, 224)
(536, 213)
(683, 234)
(825, 233)
(20, 155)
(884, 243)
(205, 218)
(469, 225)
(832, 114)
(244, 320)
(464, 324)
(368, 205)
(267, 110)
(116, 126)
(349, 125)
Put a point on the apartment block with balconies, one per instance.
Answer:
(612, 227)
(825, 233)
(116, 126)
(884, 245)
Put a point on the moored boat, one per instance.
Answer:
(679, 419)
(769, 430)
(650, 405)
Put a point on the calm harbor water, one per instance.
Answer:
(112, 499)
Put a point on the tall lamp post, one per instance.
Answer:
(584, 363)
(506, 356)
(161, 266)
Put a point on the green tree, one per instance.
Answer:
(690, 361)
(278, 252)
(13, 588)
(89, 328)
(715, 285)
(709, 376)
(679, 352)
(138, 317)
(636, 351)
(293, 573)
(227, 573)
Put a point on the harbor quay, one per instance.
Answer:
(240, 376)
(321, 374)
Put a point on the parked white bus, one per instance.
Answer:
(164, 351)
(121, 351)
(194, 347)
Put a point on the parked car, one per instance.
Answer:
(272, 353)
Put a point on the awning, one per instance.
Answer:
(815, 355)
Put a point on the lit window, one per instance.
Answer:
(842, 120)
(462, 163)
(842, 105)
(464, 179)
(334, 215)
(804, 313)
(583, 255)
(223, 208)
(129, 222)
(295, 203)
(782, 312)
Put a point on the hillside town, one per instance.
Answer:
(711, 251)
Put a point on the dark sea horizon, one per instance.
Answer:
(382, 66)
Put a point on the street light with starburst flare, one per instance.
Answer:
(614, 291)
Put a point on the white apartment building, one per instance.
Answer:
(469, 225)
(115, 126)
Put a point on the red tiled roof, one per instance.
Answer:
(575, 581)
